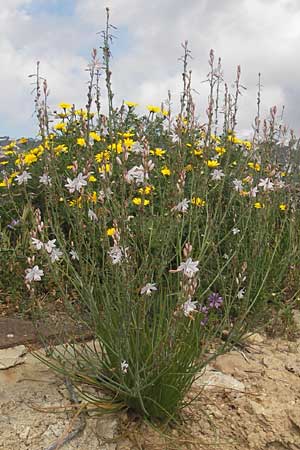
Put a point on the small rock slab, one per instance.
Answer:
(254, 338)
(293, 366)
(212, 380)
(11, 357)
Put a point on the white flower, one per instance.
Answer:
(37, 243)
(189, 268)
(235, 231)
(217, 174)
(266, 184)
(24, 177)
(92, 216)
(279, 184)
(117, 253)
(55, 254)
(77, 183)
(74, 255)
(253, 191)
(238, 185)
(45, 179)
(50, 245)
(137, 148)
(241, 293)
(189, 306)
(182, 206)
(148, 288)
(136, 173)
(34, 274)
(124, 366)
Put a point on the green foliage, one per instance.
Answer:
(169, 235)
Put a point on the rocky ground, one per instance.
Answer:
(250, 399)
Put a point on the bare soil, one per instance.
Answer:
(249, 400)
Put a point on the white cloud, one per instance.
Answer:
(261, 35)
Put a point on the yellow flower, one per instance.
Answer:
(61, 148)
(146, 190)
(62, 115)
(283, 174)
(127, 134)
(153, 109)
(258, 205)
(70, 166)
(60, 126)
(234, 139)
(128, 143)
(76, 202)
(81, 142)
(248, 179)
(198, 152)
(282, 207)
(255, 166)
(8, 152)
(93, 197)
(81, 112)
(220, 150)
(29, 159)
(138, 201)
(165, 112)
(9, 146)
(212, 163)
(215, 138)
(110, 231)
(165, 171)
(65, 105)
(99, 157)
(158, 152)
(37, 150)
(19, 161)
(104, 168)
(3, 163)
(197, 201)
(95, 136)
(92, 178)
(3, 183)
(116, 147)
(188, 168)
(131, 104)
(247, 144)
(23, 140)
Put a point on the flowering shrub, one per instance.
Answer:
(169, 234)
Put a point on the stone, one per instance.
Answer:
(254, 338)
(11, 357)
(211, 380)
(231, 363)
(293, 366)
(296, 317)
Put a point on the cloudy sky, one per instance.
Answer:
(260, 35)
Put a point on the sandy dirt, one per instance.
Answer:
(250, 399)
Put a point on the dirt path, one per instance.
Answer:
(251, 401)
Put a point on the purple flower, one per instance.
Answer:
(13, 224)
(204, 311)
(215, 300)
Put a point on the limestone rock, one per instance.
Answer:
(11, 357)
